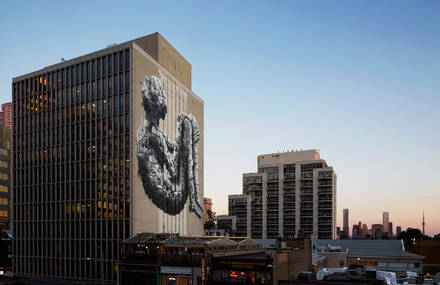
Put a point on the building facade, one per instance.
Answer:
(386, 222)
(92, 136)
(292, 192)
(6, 115)
(5, 180)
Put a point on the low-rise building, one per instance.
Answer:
(385, 255)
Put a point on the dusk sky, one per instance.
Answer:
(358, 80)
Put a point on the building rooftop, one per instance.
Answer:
(376, 248)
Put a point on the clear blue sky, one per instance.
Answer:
(358, 80)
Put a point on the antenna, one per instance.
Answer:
(423, 222)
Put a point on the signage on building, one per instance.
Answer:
(176, 270)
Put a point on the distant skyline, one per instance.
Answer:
(358, 80)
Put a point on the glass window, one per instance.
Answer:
(115, 65)
(88, 70)
(127, 123)
(115, 84)
(110, 87)
(121, 65)
(115, 105)
(99, 88)
(110, 106)
(82, 72)
(127, 102)
(121, 104)
(98, 67)
(121, 82)
(104, 64)
(127, 81)
(127, 59)
(93, 69)
(104, 87)
(110, 64)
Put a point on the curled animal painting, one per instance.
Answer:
(168, 168)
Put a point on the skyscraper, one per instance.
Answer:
(291, 192)
(96, 142)
(385, 222)
(346, 221)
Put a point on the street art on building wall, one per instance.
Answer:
(168, 168)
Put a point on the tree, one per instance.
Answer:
(410, 236)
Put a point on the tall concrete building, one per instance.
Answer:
(97, 143)
(386, 222)
(6, 115)
(292, 192)
(346, 221)
(5, 179)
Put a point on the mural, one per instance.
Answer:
(168, 168)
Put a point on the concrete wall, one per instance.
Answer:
(146, 217)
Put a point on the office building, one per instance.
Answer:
(227, 223)
(398, 230)
(377, 231)
(390, 230)
(345, 227)
(357, 231)
(87, 172)
(386, 222)
(292, 192)
(6, 115)
(5, 180)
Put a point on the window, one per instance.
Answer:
(3, 213)
(4, 189)
(104, 65)
(3, 201)
(4, 176)
(127, 59)
(3, 151)
(115, 65)
(127, 81)
(110, 64)
(98, 67)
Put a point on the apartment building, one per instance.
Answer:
(80, 178)
(292, 194)
(6, 115)
(5, 179)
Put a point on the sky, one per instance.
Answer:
(358, 80)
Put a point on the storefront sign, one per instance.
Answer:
(176, 270)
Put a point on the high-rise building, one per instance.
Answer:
(377, 231)
(398, 230)
(390, 230)
(357, 231)
(5, 180)
(385, 222)
(345, 226)
(291, 192)
(106, 145)
(6, 115)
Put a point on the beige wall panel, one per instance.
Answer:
(146, 216)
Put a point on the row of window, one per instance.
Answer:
(74, 74)
(4, 214)
(4, 189)
(4, 164)
(103, 107)
(72, 152)
(4, 201)
(4, 176)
